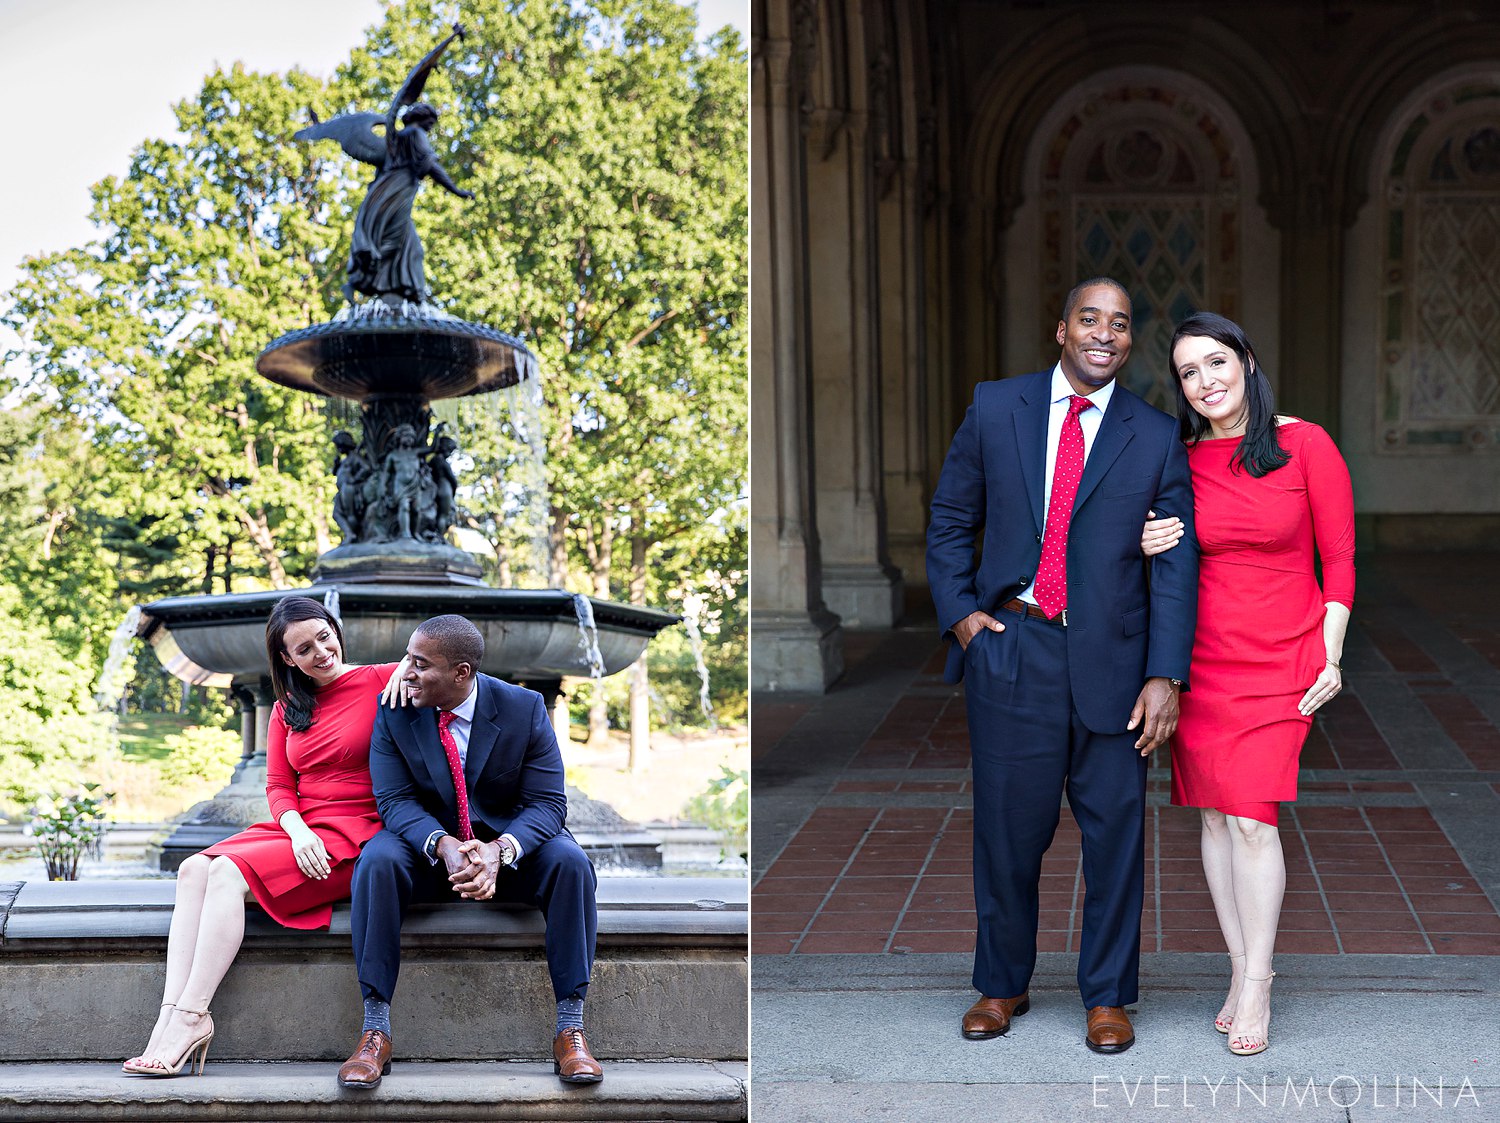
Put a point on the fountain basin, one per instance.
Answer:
(529, 634)
(373, 356)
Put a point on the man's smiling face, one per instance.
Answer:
(1095, 338)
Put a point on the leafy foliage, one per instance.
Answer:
(66, 828)
(51, 737)
(725, 806)
(607, 150)
(200, 753)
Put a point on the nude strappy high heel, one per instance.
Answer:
(197, 1051)
(131, 1064)
(1221, 1023)
(1264, 1043)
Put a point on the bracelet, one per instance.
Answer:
(1335, 666)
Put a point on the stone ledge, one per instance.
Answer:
(81, 966)
(631, 1091)
(651, 911)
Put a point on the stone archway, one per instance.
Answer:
(1421, 389)
(1146, 175)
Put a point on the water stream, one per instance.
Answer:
(119, 664)
(525, 402)
(692, 605)
(588, 638)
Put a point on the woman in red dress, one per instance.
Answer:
(1267, 491)
(318, 786)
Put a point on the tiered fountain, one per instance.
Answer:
(394, 354)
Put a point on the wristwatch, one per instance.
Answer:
(507, 853)
(1177, 682)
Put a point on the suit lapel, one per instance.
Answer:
(483, 731)
(1113, 435)
(424, 731)
(1031, 443)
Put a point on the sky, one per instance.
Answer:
(100, 76)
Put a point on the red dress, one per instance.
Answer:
(324, 775)
(1259, 643)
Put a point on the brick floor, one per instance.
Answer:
(879, 861)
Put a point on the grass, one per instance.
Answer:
(143, 736)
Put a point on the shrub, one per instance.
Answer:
(725, 806)
(66, 828)
(200, 753)
(51, 738)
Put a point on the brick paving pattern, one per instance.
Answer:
(880, 861)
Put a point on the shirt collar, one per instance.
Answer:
(1062, 389)
(464, 711)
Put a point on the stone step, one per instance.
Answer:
(632, 1092)
(81, 968)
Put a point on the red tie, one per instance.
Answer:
(455, 766)
(1052, 573)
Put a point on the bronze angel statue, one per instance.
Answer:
(385, 258)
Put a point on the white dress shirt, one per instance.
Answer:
(1089, 421)
(463, 723)
(460, 727)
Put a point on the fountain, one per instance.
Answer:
(394, 354)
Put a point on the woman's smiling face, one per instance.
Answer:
(312, 646)
(1213, 382)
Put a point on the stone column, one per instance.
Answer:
(905, 374)
(797, 642)
(265, 699)
(1312, 290)
(844, 262)
(246, 698)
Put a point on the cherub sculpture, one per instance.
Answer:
(385, 257)
(439, 512)
(350, 470)
(402, 476)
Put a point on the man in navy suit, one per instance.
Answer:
(1072, 654)
(502, 837)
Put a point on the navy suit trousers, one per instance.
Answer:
(1028, 747)
(557, 878)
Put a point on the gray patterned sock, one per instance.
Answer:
(378, 1015)
(569, 1015)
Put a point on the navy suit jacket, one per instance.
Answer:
(513, 768)
(1127, 621)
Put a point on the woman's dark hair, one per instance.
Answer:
(294, 690)
(1260, 451)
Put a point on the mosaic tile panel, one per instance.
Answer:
(1440, 360)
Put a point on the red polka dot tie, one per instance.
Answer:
(455, 766)
(1052, 572)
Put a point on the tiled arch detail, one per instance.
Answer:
(1439, 299)
(1142, 183)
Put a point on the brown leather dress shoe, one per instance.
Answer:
(990, 1017)
(572, 1061)
(1109, 1030)
(370, 1061)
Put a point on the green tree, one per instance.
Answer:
(51, 734)
(607, 150)
(52, 487)
(608, 153)
(147, 338)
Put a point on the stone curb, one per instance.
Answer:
(448, 1091)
